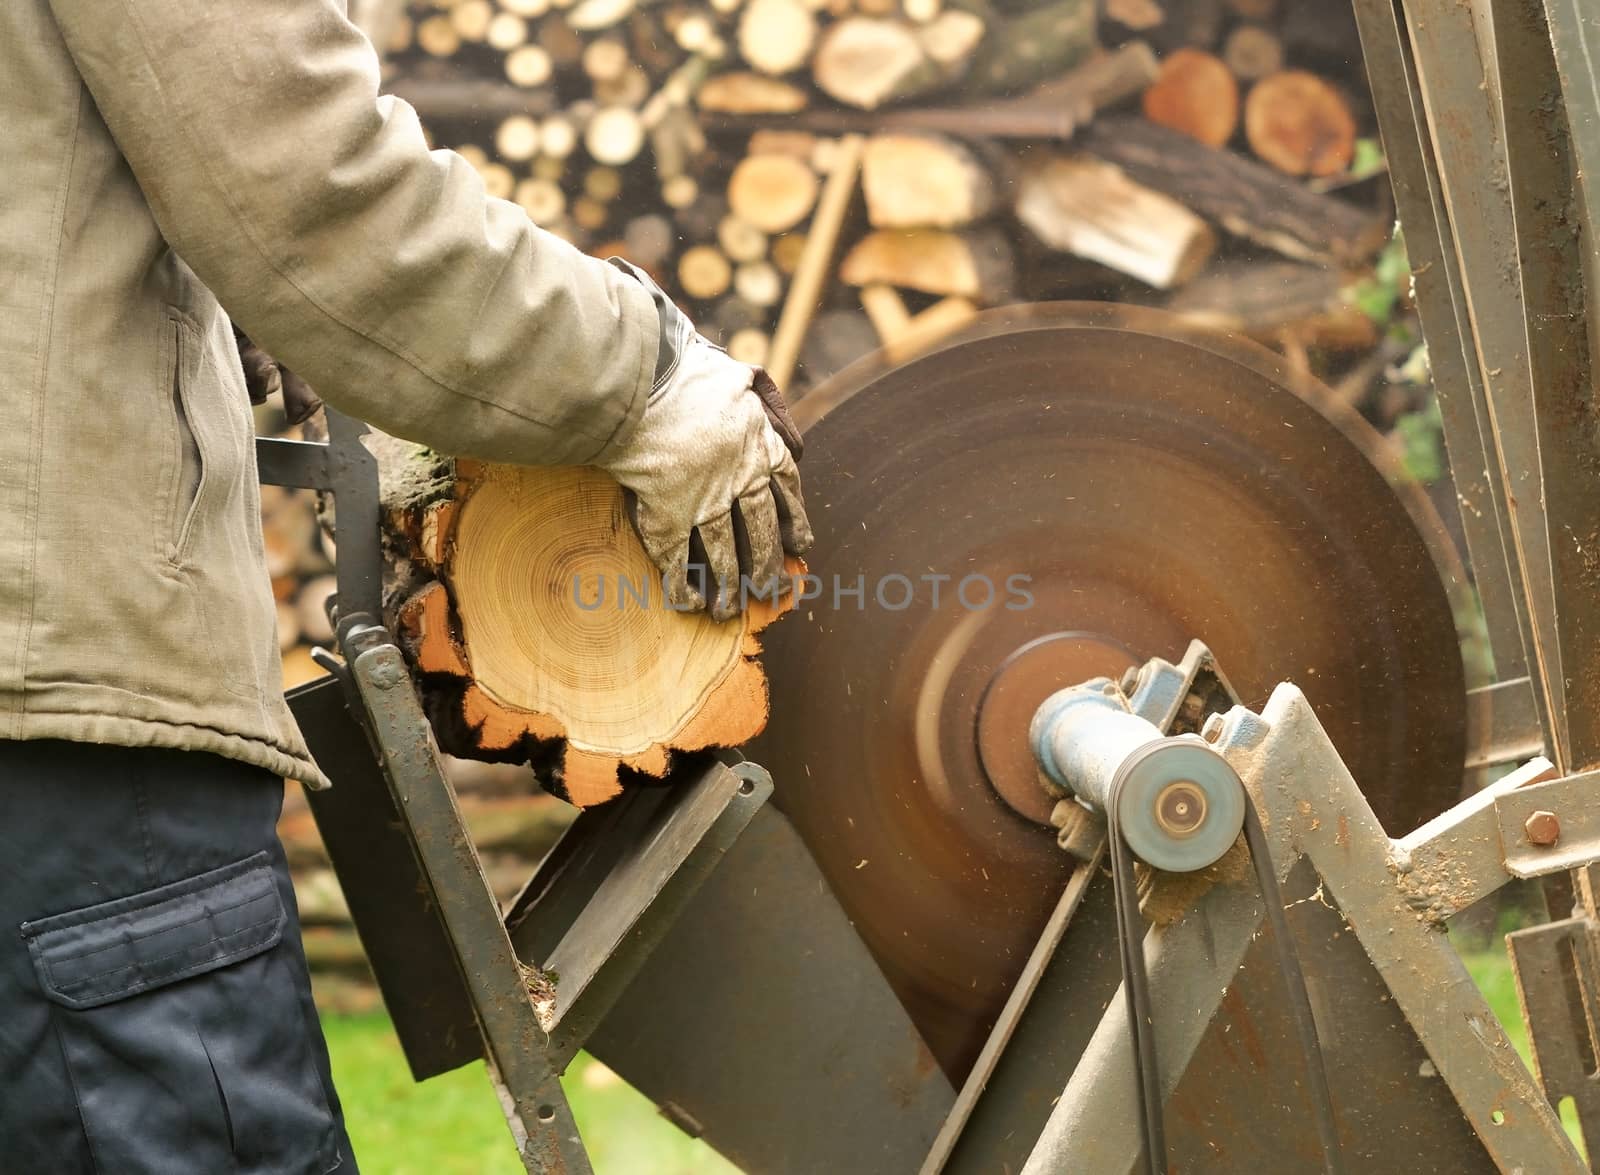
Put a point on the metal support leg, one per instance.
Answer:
(536, 1108)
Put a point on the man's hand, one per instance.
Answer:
(264, 375)
(711, 464)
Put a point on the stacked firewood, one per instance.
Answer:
(1197, 153)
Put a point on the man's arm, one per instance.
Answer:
(378, 270)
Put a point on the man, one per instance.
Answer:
(163, 159)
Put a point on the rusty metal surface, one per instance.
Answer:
(1440, 295)
(1554, 257)
(1558, 986)
(1157, 484)
(1569, 834)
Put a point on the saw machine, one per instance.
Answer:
(1145, 862)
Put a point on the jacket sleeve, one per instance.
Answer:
(375, 268)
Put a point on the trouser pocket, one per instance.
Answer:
(181, 1025)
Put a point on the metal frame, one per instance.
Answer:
(1314, 812)
(455, 983)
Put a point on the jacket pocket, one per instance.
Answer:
(188, 458)
(182, 1027)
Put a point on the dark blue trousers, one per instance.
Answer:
(155, 1008)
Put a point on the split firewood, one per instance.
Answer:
(695, 32)
(1252, 53)
(1246, 198)
(526, 8)
(867, 63)
(704, 273)
(1300, 124)
(923, 181)
(1195, 94)
(905, 335)
(971, 264)
(796, 144)
(750, 93)
(921, 11)
(1091, 209)
(538, 628)
(772, 192)
(776, 36)
(469, 101)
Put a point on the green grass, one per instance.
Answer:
(1491, 971)
(451, 1125)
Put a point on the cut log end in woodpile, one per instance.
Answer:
(541, 632)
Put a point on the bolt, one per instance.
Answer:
(1542, 828)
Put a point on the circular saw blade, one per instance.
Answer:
(1123, 484)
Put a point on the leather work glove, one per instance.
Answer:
(264, 375)
(711, 465)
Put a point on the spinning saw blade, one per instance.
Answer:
(1152, 483)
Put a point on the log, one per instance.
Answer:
(437, 37)
(539, 631)
(506, 31)
(750, 346)
(1137, 16)
(1091, 209)
(1196, 95)
(517, 138)
(970, 264)
(1028, 49)
(924, 181)
(1252, 53)
(1300, 124)
(867, 63)
(649, 241)
(750, 93)
(588, 16)
(1246, 198)
(741, 240)
(542, 200)
(468, 101)
(838, 340)
(772, 192)
(776, 36)
(529, 66)
(614, 135)
(787, 250)
(605, 59)
(905, 335)
(1269, 300)
(470, 19)
(704, 273)
(759, 283)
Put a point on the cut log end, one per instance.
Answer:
(547, 636)
(1195, 94)
(1300, 124)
